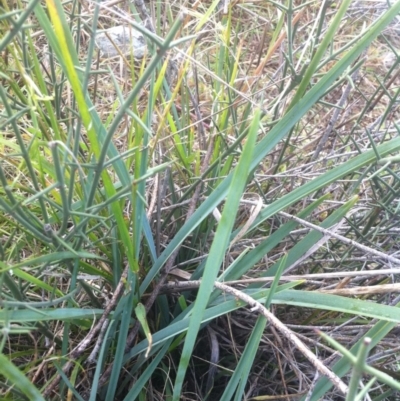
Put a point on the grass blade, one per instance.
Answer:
(217, 252)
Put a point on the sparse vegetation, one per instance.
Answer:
(217, 220)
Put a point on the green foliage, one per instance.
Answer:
(118, 176)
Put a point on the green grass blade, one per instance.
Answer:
(217, 252)
(312, 238)
(221, 306)
(318, 300)
(256, 254)
(124, 324)
(239, 377)
(18, 379)
(328, 37)
(376, 333)
(45, 315)
(17, 25)
(100, 361)
(276, 135)
(147, 374)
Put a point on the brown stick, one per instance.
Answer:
(84, 344)
(287, 333)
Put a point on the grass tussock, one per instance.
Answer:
(216, 220)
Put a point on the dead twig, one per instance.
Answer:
(287, 333)
(364, 248)
(84, 344)
(187, 285)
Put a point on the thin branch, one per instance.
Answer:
(336, 114)
(187, 285)
(93, 355)
(287, 333)
(86, 342)
(345, 240)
